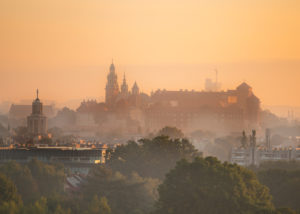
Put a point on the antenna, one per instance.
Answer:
(216, 70)
(37, 93)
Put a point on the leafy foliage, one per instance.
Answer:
(124, 194)
(8, 190)
(171, 132)
(284, 185)
(98, 206)
(35, 179)
(208, 186)
(151, 157)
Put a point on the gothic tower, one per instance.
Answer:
(124, 88)
(112, 86)
(37, 122)
(135, 89)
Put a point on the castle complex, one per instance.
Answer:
(233, 110)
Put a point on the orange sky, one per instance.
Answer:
(64, 47)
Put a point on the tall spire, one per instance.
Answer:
(124, 87)
(37, 93)
(112, 66)
(135, 89)
(124, 78)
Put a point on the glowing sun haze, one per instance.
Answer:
(64, 47)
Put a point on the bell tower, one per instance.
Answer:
(37, 122)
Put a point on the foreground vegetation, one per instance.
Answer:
(157, 176)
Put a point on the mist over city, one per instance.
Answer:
(150, 107)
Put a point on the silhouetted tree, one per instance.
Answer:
(171, 132)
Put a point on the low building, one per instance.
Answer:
(78, 160)
(243, 157)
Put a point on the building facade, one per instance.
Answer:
(233, 109)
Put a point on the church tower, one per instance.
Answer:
(124, 88)
(135, 89)
(37, 122)
(112, 86)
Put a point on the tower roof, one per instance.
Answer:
(243, 86)
(37, 96)
(112, 67)
(135, 85)
(124, 78)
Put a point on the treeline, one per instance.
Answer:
(31, 188)
(283, 180)
(161, 175)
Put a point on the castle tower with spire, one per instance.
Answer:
(112, 86)
(135, 89)
(124, 88)
(37, 122)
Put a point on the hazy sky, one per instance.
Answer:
(64, 47)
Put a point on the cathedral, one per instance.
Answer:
(112, 92)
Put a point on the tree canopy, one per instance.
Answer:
(211, 187)
(284, 185)
(124, 194)
(171, 132)
(151, 157)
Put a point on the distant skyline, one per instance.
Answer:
(65, 47)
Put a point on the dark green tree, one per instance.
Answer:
(171, 132)
(8, 190)
(99, 206)
(151, 157)
(22, 178)
(124, 194)
(10, 201)
(49, 178)
(284, 186)
(207, 186)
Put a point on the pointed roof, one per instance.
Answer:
(124, 79)
(112, 67)
(243, 86)
(37, 96)
(135, 85)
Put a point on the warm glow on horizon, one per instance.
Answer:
(65, 47)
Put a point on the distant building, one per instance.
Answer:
(210, 85)
(233, 109)
(17, 115)
(242, 156)
(255, 155)
(37, 121)
(112, 86)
